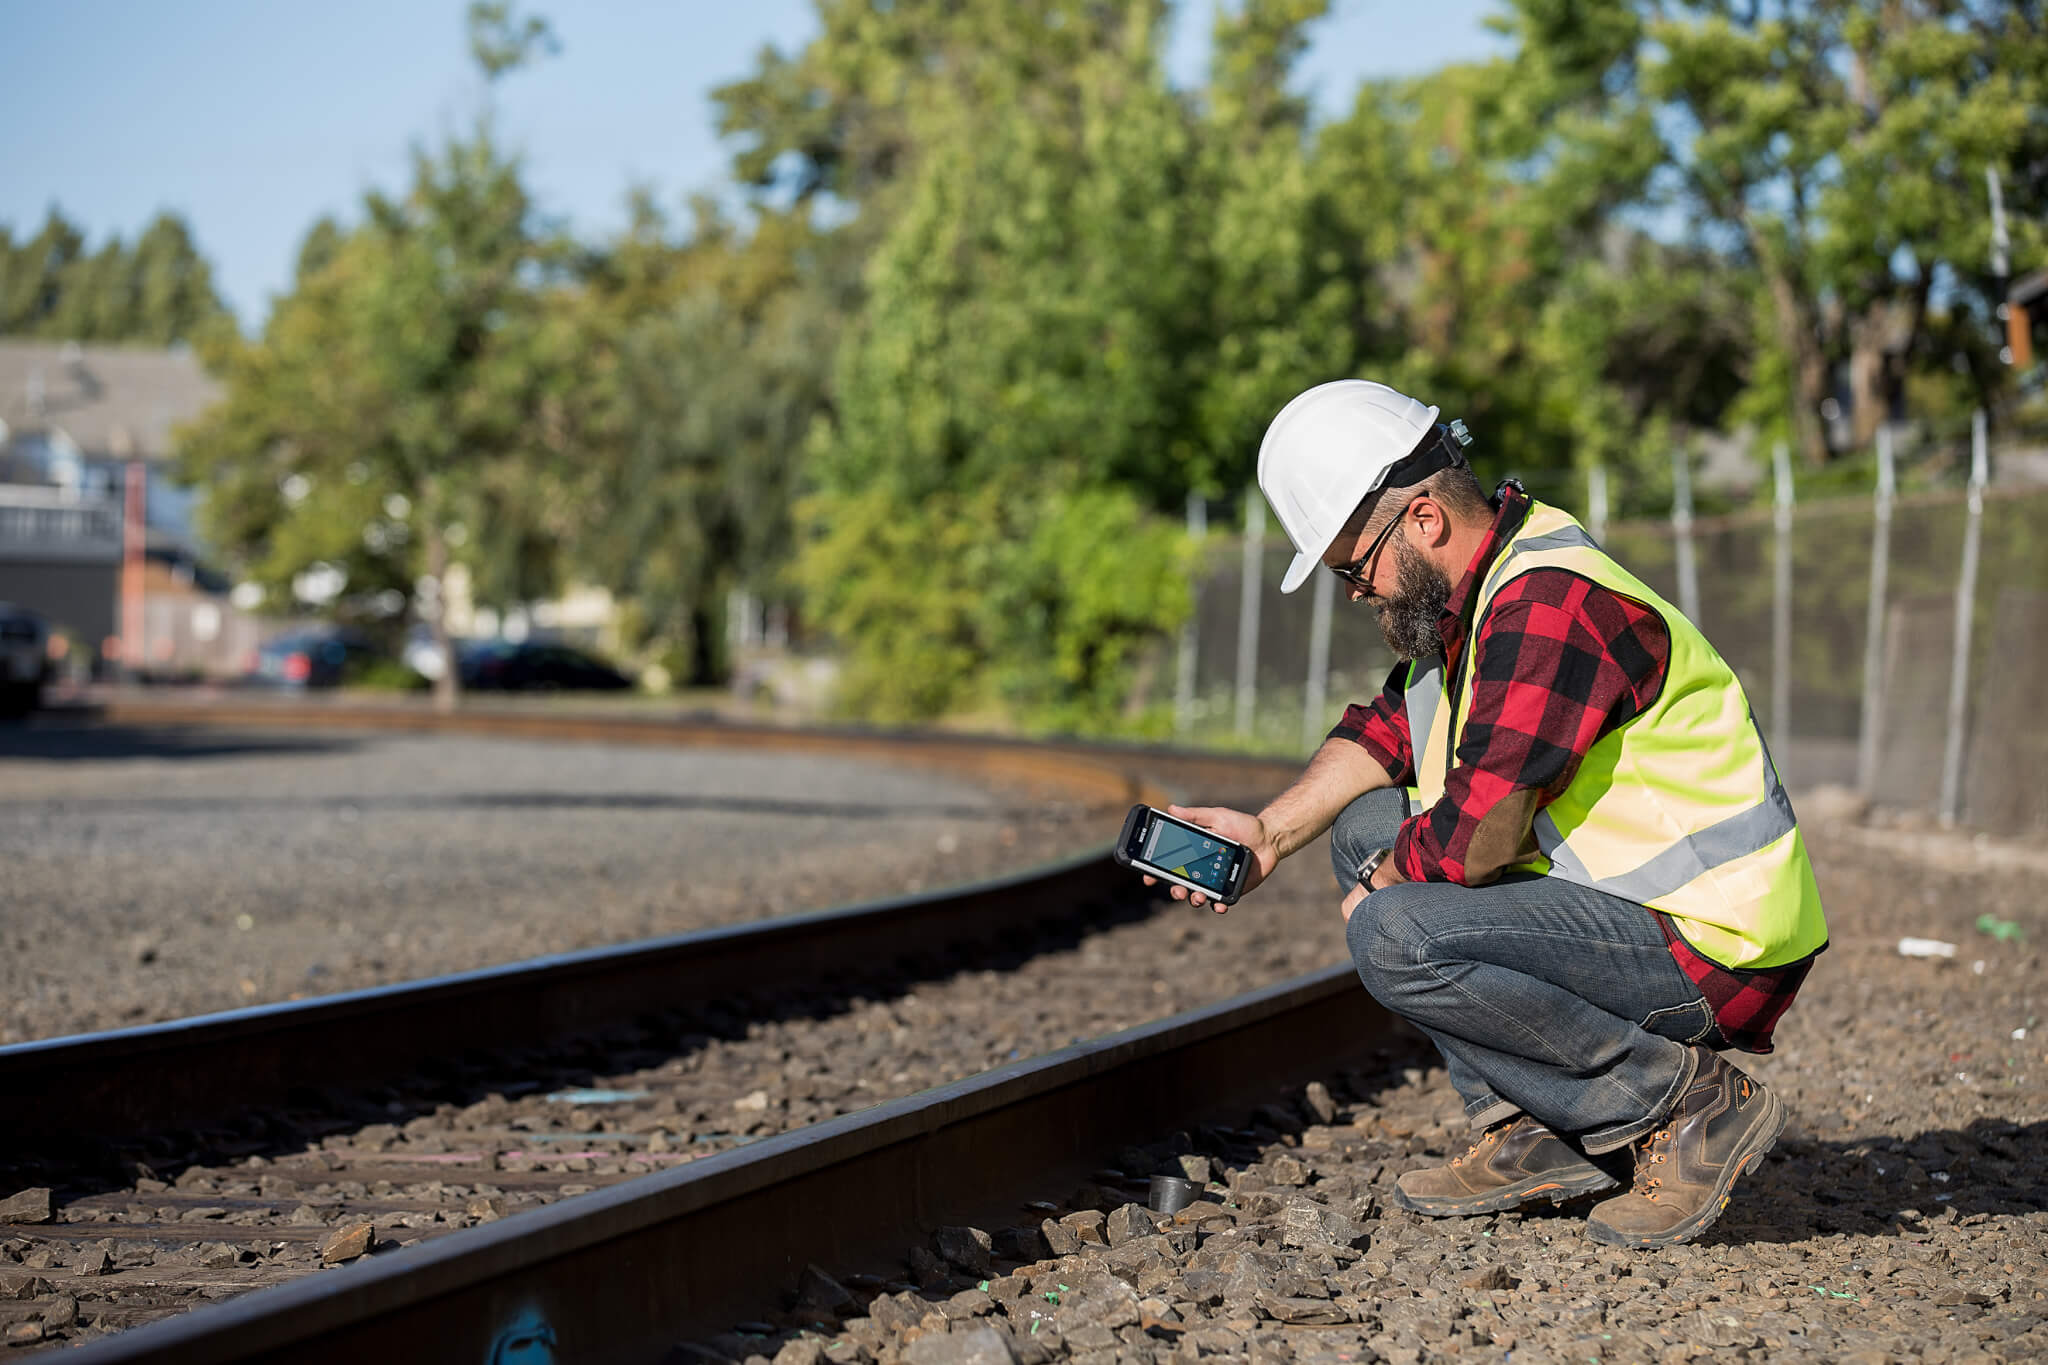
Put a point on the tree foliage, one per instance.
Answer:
(722, 346)
(157, 292)
(412, 404)
(1837, 148)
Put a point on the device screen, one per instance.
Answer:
(1188, 852)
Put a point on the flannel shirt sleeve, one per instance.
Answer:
(1381, 728)
(1559, 662)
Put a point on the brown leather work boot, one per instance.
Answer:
(1515, 1162)
(1723, 1124)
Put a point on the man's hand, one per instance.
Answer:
(1231, 824)
(1351, 901)
(1383, 877)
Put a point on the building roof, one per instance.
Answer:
(117, 402)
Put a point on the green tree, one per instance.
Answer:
(159, 292)
(408, 405)
(718, 354)
(31, 274)
(1836, 146)
(1012, 402)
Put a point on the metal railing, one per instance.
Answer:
(47, 524)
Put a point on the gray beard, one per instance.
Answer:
(1408, 619)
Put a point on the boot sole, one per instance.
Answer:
(1535, 1190)
(1752, 1149)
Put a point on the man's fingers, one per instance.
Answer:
(1351, 902)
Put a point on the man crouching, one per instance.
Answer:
(1566, 854)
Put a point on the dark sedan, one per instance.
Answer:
(530, 666)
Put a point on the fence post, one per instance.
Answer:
(1681, 528)
(1781, 604)
(1966, 604)
(1596, 502)
(1248, 608)
(1873, 630)
(1184, 681)
(1317, 695)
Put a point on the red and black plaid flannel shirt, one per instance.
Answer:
(1558, 663)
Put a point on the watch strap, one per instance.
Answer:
(1370, 866)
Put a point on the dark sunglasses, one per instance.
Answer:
(1358, 573)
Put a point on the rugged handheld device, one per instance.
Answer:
(1183, 854)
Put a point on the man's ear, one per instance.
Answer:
(1432, 521)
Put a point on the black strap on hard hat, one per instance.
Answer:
(1443, 448)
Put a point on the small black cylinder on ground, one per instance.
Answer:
(1169, 1194)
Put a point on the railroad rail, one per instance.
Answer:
(631, 1269)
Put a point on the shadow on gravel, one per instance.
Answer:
(460, 1080)
(73, 741)
(1889, 1186)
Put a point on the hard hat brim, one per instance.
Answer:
(1297, 573)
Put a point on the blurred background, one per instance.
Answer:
(907, 361)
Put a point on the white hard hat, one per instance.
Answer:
(1327, 449)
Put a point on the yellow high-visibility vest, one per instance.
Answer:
(1679, 809)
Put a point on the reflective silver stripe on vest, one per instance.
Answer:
(1420, 698)
(1736, 837)
(1571, 537)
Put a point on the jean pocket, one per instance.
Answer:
(1687, 1023)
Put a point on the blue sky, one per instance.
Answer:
(254, 117)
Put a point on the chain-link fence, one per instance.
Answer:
(1930, 703)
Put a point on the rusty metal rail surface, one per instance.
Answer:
(624, 1273)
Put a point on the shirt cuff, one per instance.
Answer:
(1396, 765)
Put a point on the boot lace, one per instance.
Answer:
(1485, 1139)
(1652, 1153)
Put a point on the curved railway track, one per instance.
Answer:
(404, 1105)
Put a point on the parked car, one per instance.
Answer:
(24, 659)
(316, 657)
(534, 666)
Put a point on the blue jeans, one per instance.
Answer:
(1544, 997)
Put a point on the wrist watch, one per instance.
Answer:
(1370, 866)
